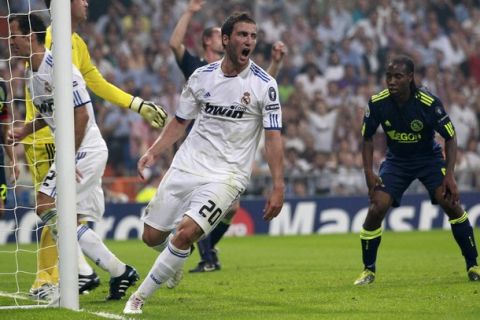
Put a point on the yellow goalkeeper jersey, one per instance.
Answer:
(94, 79)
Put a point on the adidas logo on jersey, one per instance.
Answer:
(235, 112)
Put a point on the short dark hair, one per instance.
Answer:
(409, 67)
(30, 23)
(206, 34)
(227, 27)
(404, 60)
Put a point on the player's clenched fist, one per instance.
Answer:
(155, 115)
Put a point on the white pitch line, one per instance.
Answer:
(23, 297)
(107, 315)
(13, 295)
(20, 297)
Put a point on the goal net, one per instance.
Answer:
(22, 285)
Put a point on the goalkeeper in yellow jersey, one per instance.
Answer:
(39, 149)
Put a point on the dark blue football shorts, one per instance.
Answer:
(397, 175)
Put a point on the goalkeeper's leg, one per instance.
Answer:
(39, 157)
(47, 271)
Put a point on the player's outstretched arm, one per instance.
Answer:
(274, 157)
(154, 114)
(178, 34)
(278, 52)
(173, 131)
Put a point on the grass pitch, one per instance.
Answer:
(420, 275)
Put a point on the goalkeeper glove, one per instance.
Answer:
(155, 115)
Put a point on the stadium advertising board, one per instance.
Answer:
(299, 216)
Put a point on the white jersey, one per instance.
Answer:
(230, 115)
(40, 86)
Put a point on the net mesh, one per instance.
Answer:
(20, 228)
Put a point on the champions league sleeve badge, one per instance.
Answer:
(272, 94)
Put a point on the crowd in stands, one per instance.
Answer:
(337, 51)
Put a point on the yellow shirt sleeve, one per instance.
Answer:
(94, 79)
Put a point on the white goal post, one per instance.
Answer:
(17, 292)
(65, 154)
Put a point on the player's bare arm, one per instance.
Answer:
(17, 134)
(81, 120)
(14, 170)
(371, 178)
(178, 34)
(274, 157)
(173, 131)
(278, 52)
(449, 185)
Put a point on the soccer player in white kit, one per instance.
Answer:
(27, 42)
(232, 101)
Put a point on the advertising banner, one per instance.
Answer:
(300, 216)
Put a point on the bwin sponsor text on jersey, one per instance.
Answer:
(235, 112)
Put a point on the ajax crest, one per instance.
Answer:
(416, 125)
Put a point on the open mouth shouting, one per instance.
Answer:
(245, 54)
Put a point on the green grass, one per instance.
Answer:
(421, 275)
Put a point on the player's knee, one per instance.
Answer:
(186, 236)
(148, 239)
(453, 211)
(378, 208)
(152, 237)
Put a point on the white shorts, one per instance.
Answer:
(181, 193)
(90, 199)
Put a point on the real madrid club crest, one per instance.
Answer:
(246, 98)
(416, 125)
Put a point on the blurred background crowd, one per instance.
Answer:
(337, 51)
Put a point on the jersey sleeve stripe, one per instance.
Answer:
(77, 100)
(259, 73)
(426, 99)
(273, 118)
(382, 95)
(49, 60)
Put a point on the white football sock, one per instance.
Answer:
(96, 250)
(83, 267)
(168, 262)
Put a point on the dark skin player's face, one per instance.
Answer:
(398, 80)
